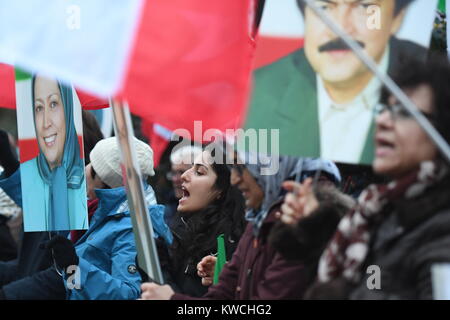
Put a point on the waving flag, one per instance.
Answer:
(8, 93)
(191, 62)
(175, 61)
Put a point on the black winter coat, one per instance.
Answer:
(406, 244)
(181, 274)
(411, 237)
(31, 276)
(8, 248)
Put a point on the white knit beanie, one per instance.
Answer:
(105, 159)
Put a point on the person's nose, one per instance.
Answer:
(185, 177)
(384, 120)
(235, 177)
(47, 118)
(344, 18)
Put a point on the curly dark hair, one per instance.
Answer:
(399, 5)
(224, 215)
(435, 72)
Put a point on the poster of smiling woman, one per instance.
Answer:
(51, 157)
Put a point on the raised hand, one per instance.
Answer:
(299, 202)
(205, 269)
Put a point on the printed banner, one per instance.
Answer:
(51, 154)
(318, 99)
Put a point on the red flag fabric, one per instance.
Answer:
(7, 87)
(191, 61)
(8, 94)
(270, 49)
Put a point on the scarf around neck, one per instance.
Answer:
(349, 246)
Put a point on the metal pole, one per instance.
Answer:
(386, 80)
(142, 225)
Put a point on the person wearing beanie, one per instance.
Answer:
(105, 162)
(103, 259)
(100, 262)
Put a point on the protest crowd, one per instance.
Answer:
(328, 223)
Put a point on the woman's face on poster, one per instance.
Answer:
(49, 120)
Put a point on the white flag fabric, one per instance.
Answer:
(440, 276)
(84, 42)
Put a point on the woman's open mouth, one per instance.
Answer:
(186, 194)
(50, 140)
(383, 146)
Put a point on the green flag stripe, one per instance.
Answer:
(21, 75)
(221, 258)
(441, 5)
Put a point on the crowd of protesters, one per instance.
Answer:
(295, 234)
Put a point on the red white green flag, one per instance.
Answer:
(174, 61)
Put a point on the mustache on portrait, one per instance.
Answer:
(338, 44)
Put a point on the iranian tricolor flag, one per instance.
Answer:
(174, 61)
(280, 33)
(8, 92)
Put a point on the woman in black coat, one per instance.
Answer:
(385, 247)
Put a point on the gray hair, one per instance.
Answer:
(185, 154)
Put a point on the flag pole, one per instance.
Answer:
(385, 79)
(142, 226)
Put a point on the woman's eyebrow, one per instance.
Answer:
(200, 165)
(51, 95)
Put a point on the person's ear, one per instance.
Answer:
(398, 20)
